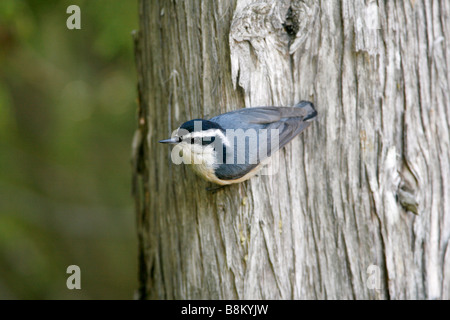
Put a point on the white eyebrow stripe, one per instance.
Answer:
(208, 133)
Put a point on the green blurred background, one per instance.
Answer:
(67, 117)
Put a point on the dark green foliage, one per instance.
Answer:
(67, 115)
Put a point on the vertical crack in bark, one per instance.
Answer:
(272, 266)
(291, 23)
(349, 269)
(139, 174)
(374, 205)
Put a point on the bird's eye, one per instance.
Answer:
(208, 141)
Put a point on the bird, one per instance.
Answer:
(232, 147)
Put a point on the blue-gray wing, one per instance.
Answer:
(265, 115)
(267, 129)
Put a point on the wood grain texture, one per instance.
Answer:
(368, 184)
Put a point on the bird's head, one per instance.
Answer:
(197, 139)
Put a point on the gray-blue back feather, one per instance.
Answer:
(289, 122)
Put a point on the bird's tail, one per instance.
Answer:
(309, 113)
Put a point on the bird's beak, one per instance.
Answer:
(171, 141)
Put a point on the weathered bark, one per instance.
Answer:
(368, 184)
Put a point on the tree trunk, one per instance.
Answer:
(360, 206)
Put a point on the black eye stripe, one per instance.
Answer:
(208, 141)
(204, 141)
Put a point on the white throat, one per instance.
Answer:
(201, 158)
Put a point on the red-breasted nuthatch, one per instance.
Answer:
(231, 148)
